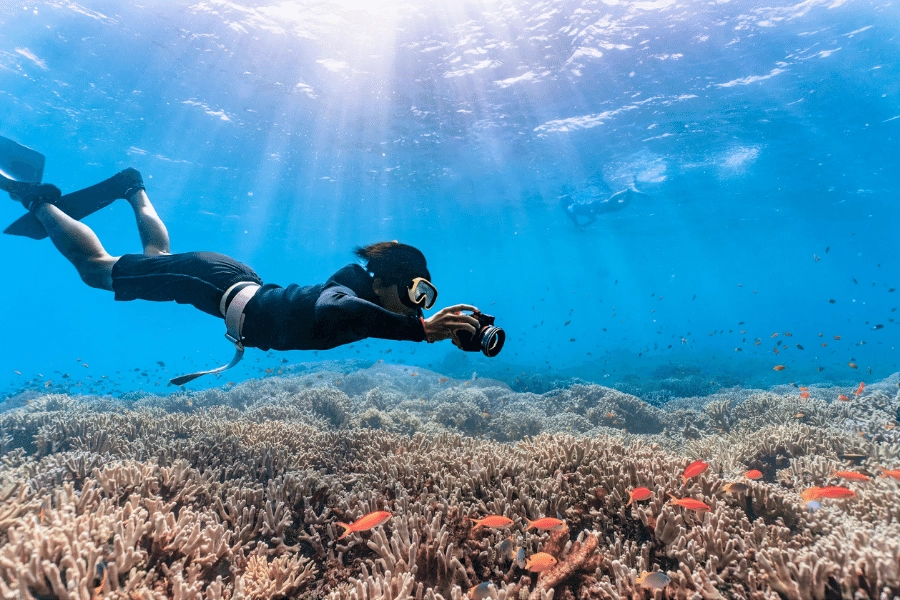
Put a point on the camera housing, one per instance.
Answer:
(488, 338)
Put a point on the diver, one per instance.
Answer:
(383, 300)
(592, 210)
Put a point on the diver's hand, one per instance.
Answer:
(444, 324)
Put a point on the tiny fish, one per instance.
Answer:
(507, 549)
(827, 248)
(365, 523)
(788, 334)
(443, 379)
(638, 494)
(843, 397)
(878, 326)
(861, 387)
(837, 337)
(520, 558)
(831, 491)
(853, 475)
(695, 468)
(481, 591)
(540, 561)
(737, 488)
(492, 521)
(774, 335)
(804, 395)
(852, 365)
(657, 580)
(102, 573)
(895, 473)
(753, 474)
(546, 524)
(689, 503)
(778, 368)
(799, 347)
(831, 301)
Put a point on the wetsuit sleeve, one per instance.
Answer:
(338, 309)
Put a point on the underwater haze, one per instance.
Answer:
(762, 137)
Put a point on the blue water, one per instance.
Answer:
(286, 134)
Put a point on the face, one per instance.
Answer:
(390, 299)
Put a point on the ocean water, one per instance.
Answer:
(763, 134)
(699, 390)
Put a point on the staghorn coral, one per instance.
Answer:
(237, 494)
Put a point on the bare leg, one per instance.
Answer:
(154, 236)
(79, 244)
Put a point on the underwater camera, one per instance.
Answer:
(488, 338)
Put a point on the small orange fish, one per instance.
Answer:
(810, 494)
(774, 335)
(788, 334)
(638, 494)
(546, 524)
(837, 337)
(804, 395)
(836, 491)
(853, 475)
(413, 374)
(365, 523)
(803, 389)
(843, 397)
(443, 379)
(778, 368)
(823, 344)
(890, 473)
(799, 416)
(753, 474)
(540, 561)
(852, 365)
(695, 468)
(492, 521)
(860, 389)
(689, 503)
(736, 487)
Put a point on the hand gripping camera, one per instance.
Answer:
(488, 338)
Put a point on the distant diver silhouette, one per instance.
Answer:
(384, 299)
(592, 210)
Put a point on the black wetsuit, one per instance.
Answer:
(340, 311)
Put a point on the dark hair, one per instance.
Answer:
(393, 262)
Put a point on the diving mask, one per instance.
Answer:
(421, 293)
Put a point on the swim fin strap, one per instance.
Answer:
(82, 203)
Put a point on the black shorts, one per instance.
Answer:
(196, 278)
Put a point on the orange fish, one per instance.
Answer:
(852, 365)
(837, 337)
(638, 494)
(831, 491)
(804, 395)
(774, 335)
(365, 523)
(810, 494)
(803, 389)
(778, 368)
(843, 397)
(443, 379)
(540, 561)
(99, 589)
(851, 475)
(689, 503)
(547, 524)
(492, 521)
(753, 474)
(695, 468)
(861, 387)
(888, 473)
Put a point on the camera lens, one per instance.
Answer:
(492, 339)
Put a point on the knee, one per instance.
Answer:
(97, 273)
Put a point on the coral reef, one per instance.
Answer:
(236, 493)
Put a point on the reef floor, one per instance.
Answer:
(238, 492)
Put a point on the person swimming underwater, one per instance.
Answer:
(383, 300)
(592, 210)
